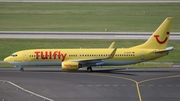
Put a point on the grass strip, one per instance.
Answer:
(88, 17)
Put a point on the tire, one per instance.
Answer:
(89, 69)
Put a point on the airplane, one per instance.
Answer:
(73, 59)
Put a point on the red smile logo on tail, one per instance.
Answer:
(161, 42)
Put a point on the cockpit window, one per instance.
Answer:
(14, 55)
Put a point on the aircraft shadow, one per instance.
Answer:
(107, 71)
(120, 71)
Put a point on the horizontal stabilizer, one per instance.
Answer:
(165, 50)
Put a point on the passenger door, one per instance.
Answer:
(25, 56)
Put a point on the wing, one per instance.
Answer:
(95, 61)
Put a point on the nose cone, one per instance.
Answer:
(7, 59)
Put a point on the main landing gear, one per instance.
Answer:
(89, 69)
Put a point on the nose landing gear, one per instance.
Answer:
(21, 69)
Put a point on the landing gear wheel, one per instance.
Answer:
(89, 69)
(22, 69)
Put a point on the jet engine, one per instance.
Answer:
(70, 66)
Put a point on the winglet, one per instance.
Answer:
(112, 54)
(112, 45)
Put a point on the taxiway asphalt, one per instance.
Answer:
(82, 35)
(103, 84)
